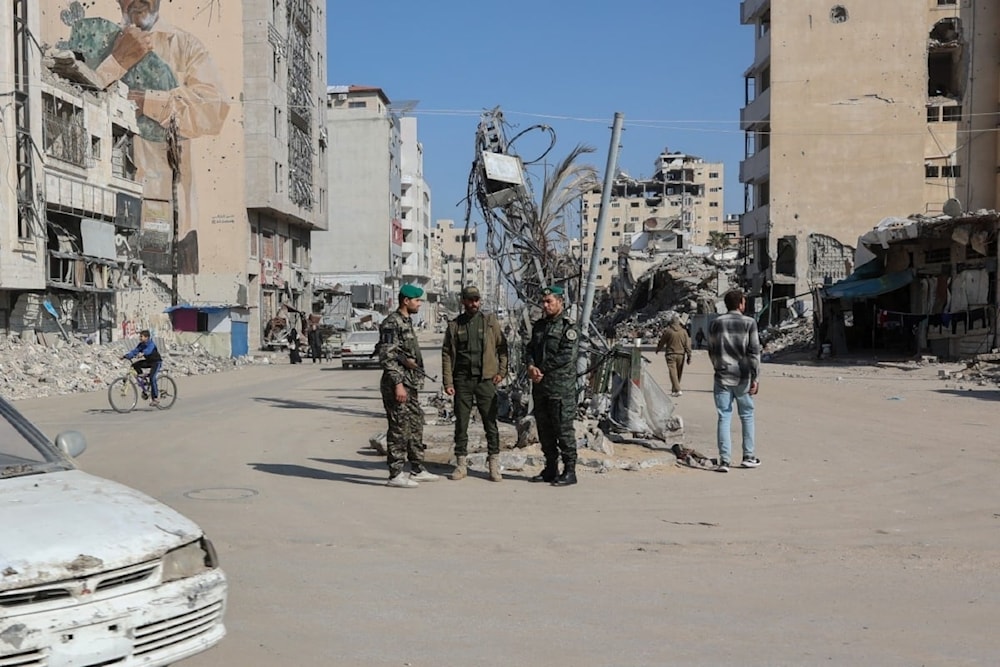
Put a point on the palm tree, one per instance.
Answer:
(718, 240)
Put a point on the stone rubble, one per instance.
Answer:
(35, 370)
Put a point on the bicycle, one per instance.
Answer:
(123, 392)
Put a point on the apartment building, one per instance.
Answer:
(415, 207)
(856, 112)
(679, 207)
(227, 152)
(363, 244)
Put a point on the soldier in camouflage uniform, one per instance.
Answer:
(551, 359)
(402, 378)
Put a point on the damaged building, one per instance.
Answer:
(71, 188)
(827, 152)
(925, 286)
(680, 206)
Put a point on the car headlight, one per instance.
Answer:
(189, 560)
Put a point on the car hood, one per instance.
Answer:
(69, 524)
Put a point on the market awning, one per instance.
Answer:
(863, 289)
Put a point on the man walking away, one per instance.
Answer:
(734, 347)
(551, 360)
(474, 360)
(677, 344)
(402, 378)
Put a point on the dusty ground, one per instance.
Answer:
(870, 535)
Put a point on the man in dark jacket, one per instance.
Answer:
(151, 359)
(551, 360)
(474, 361)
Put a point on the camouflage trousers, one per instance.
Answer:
(404, 440)
(484, 394)
(554, 415)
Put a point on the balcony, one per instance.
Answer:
(757, 111)
(762, 50)
(750, 9)
(755, 167)
(754, 223)
(409, 248)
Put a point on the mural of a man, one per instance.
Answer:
(173, 82)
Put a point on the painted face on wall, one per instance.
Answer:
(140, 13)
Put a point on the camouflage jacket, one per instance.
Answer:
(397, 342)
(553, 349)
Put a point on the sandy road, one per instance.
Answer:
(870, 536)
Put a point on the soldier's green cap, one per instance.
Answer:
(409, 291)
(553, 289)
(470, 292)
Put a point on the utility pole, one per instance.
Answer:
(602, 216)
(174, 158)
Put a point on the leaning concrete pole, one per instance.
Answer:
(602, 217)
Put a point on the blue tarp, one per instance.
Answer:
(852, 288)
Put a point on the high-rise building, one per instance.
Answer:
(856, 112)
(415, 203)
(363, 244)
(683, 199)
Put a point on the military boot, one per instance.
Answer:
(567, 477)
(493, 461)
(549, 474)
(461, 469)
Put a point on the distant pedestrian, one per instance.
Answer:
(474, 361)
(402, 379)
(734, 347)
(699, 340)
(551, 362)
(294, 356)
(676, 344)
(315, 342)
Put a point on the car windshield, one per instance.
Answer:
(363, 337)
(23, 448)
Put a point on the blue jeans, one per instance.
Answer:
(724, 397)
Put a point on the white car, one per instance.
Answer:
(358, 349)
(91, 571)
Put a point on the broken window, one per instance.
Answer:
(784, 262)
(931, 171)
(944, 59)
(933, 114)
(122, 153)
(937, 255)
(951, 171)
(64, 135)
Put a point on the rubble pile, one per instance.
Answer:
(687, 284)
(790, 336)
(982, 370)
(34, 370)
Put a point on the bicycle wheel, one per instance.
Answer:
(168, 391)
(122, 394)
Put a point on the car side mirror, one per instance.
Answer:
(71, 443)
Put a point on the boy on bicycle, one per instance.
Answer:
(151, 359)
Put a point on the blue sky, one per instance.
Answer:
(674, 69)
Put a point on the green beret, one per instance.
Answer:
(553, 289)
(409, 291)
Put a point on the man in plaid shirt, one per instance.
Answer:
(734, 348)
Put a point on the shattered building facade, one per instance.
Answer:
(876, 109)
(679, 206)
(187, 177)
(70, 199)
(926, 286)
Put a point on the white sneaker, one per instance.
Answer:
(402, 481)
(677, 393)
(424, 476)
